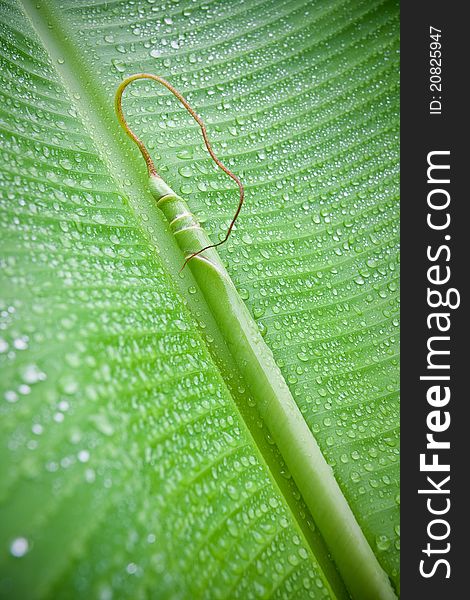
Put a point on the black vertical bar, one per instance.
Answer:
(421, 133)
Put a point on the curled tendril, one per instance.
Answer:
(148, 160)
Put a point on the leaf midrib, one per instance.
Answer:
(120, 158)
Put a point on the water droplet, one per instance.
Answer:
(118, 65)
(20, 343)
(11, 396)
(185, 154)
(32, 374)
(185, 171)
(68, 384)
(382, 542)
(19, 547)
(83, 456)
(293, 560)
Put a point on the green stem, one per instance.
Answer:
(363, 576)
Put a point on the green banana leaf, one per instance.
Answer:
(135, 460)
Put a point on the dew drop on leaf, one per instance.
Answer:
(19, 547)
(382, 542)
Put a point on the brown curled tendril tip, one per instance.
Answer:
(148, 160)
